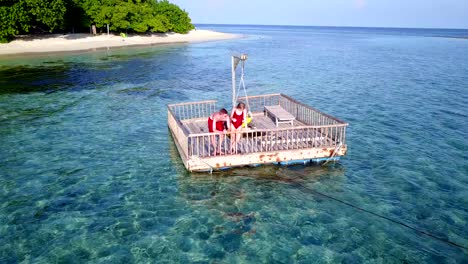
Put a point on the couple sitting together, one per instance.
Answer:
(216, 124)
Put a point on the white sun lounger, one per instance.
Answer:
(279, 114)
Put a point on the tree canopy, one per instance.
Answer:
(26, 16)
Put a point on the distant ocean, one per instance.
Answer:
(89, 171)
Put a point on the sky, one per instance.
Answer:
(358, 13)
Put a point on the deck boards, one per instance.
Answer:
(280, 140)
(259, 121)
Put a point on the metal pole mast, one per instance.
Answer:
(233, 73)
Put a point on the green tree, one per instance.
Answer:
(21, 16)
(179, 21)
(12, 18)
(144, 18)
(46, 15)
(99, 11)
(138, 15)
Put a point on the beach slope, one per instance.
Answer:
(82, 42)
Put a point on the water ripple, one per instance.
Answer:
(89, 172)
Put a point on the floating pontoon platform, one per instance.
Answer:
(283, 131)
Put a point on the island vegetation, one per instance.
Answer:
(64, 16)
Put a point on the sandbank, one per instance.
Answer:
(83, 42)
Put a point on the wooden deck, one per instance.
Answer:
(313, 135)
(259, 121)
(252, 141)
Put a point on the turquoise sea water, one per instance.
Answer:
(89, 172)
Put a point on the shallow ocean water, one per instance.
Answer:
(89, 172)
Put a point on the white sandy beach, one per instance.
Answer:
(80, 42)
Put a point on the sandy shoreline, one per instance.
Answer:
(84, 42)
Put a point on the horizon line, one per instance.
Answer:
(378, 27)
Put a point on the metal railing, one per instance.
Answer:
(306, 114)
(267, 140)
(303, 113)
(191, 110)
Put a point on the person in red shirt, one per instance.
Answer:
(216, 123)
(238, 117)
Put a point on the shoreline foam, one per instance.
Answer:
(86, 42)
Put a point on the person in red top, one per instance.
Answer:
(216, 126)
(238, 117)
